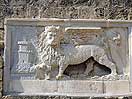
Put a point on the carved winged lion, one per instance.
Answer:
(53, 53)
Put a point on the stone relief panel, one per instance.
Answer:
(57, 52)
(60, 56)
(64, 47)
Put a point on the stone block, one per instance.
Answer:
(130, 85)
(1, 23)
(1, 86)
(116, 87)
(46, 13)
(72, 86)
(1, 62)
(33, 11)
(1, 44)
(84, 12)
(33, 86)
(18, 12)
(1, 74)
(72, 12)
(59, 12)
(0, 94)
(1, 34)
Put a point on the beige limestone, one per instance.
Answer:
(1, 62)
(1, 87)
(1, 74)
(1, 83)
(113, 37)
(90, 87)
(116, 87)
(33, 86)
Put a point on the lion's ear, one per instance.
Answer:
(59, 28)
(42, 34)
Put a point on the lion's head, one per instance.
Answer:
(53, 35)
(114, 37)
(48, 41)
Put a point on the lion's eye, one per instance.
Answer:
(50, 34)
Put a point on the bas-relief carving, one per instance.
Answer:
(25, 58)
(57, 44)
(56, 49)
(75, 54)
(24, 55)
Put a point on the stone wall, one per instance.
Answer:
(93, 9)
(84, 9)
(1, 60)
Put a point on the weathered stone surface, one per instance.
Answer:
(33, 87)
(1, 74)
(56, 87)
(130, 86)
(61, 97)
(2, 23)
(1, 88)
(1, 83)
(74, 87)
(114, 87)
(1, 62)
(106, 9)
(71, 88)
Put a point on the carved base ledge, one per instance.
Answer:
(70, 88)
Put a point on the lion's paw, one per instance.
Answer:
(108, 77)
(58, 77)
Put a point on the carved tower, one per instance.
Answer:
(24, 57)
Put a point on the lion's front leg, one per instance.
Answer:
(62, 66)
(105, 61)
(61, 71)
